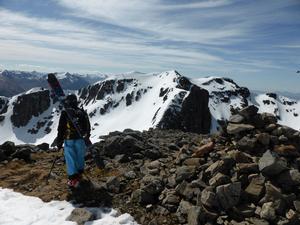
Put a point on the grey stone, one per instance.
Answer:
(80, 216)
(270, 164)
(257, 221)
(289, 178)
(184, 207)
(272, 194)
(237, 128)
(249, 111)
(8, 148)
(154, 164)
(229, 194)
(236, 118)
(209, 198)
(113, 184)
(130, 175)
(185, 173)
(283, 139)
(247, 143)
(194, 215)
(297, 205)
(23, 153)
(171, 198)
(271, 127)
(247, 168)
(263, 138)
(222, 166)
(240, 157)
(267, 211)
(192, 162)
(219, 179)
(268, 118)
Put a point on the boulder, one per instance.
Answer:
(222, 166)
(247, 144)
(255, 190)
(268, 118)
(233, 128)
(286, 150)
(270, 164)
(229, 194)
(268, 211)
(209, 198)
(194, 215)
(249, 111)
(236, 119)
(247, 168)
(289, 178)
(204, 149)
(113, 184)
(80, 216)
(185, 173)
(263, 138)
(23, 153)
(3, 156)
(240, 157)
(43, 146)
(219, 179)
(8, 148)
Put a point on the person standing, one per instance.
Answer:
(73, 141)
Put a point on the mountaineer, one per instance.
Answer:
(73, 129)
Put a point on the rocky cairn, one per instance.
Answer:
(248, 173)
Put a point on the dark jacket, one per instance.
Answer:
(66, 129)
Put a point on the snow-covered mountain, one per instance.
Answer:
(141, 101)
(15, 82)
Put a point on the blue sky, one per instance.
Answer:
(257, 42)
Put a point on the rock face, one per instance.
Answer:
(30, 105)
(194, 115)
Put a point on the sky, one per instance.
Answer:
(256, 43)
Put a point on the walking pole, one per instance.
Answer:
(52, 166)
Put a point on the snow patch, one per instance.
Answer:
(18, 209)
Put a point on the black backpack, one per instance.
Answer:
(81, 120)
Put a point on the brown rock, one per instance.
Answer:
(255, 189)
(286, 150)
(204, 149)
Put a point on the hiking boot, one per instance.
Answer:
(73, 183)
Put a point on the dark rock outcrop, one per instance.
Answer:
(192, 116)
(29, 105)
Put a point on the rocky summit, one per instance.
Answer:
(248, 173)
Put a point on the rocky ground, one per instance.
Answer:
(246, 174)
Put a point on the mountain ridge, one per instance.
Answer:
(141, 102)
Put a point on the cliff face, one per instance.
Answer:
(28, 106)
(192, 116)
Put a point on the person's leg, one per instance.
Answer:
(80, 153)
(70, 156)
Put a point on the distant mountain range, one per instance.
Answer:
(141, 101)
(15, 82)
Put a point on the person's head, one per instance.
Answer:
(71, 101)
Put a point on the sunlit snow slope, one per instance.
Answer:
(137, 101)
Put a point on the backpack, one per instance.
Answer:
(80, 118)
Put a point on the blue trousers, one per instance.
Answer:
(74, 154)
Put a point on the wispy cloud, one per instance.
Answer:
(199, 36)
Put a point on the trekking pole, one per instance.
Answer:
(52, 166)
